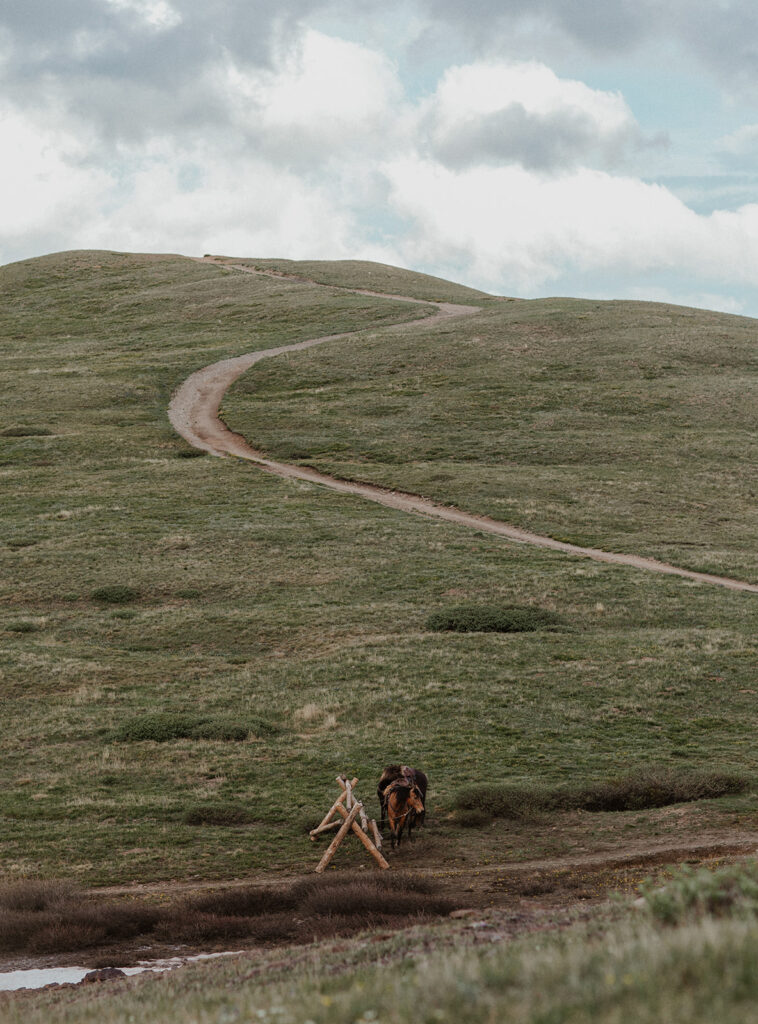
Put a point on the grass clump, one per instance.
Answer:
(692, 893)
(491, 618)
(217, 814)
(25, 431)
(24, 626)
(116, 593)
(656, 787)
(164, 726)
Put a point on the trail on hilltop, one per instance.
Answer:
(194, 413)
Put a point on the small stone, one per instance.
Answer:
(103, 974)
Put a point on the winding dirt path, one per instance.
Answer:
(193, 412)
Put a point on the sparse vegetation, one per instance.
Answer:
(218, 814)
(115, 593)
(488, 618)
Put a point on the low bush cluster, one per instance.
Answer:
(492, 618)
(164, 726)
(654, 787)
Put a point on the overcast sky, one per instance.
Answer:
(602, 148)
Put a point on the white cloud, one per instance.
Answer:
(509, 226)
(504, 112)
(43, 182)
(326, 98)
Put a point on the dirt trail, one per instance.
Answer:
(193, 412)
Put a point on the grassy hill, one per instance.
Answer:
(155, 605)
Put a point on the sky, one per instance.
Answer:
(595, 148)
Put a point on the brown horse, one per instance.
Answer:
(394, 772)
(404, 807)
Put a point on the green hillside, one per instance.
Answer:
(138, 580)
(622, 425)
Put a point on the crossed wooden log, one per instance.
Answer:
(349, 808)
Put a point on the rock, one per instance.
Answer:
(464, 913)
(103, 974)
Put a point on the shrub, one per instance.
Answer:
(658, 788)
(692, 893)
(491, 618)
(190, 453)
(653, 787)
(34, 895)
(217, 814)
(220, 729)
(116, 593)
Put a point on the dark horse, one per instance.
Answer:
(413, 776)
(404, 807)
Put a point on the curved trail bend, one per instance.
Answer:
(193, 412)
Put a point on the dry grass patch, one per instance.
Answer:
(55, 917)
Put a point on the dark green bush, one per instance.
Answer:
(190, 453)
(491, 618)
(164, 726)
(115, 594)
(23, 627)
(220, 729)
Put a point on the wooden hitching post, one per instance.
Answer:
(332, 849)
(348, 807)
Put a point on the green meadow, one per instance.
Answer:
(280, 631)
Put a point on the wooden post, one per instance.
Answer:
(377, 835)
(364, 819)
(362, 836)
(316, 832)
(349, 819)
(333, 808)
